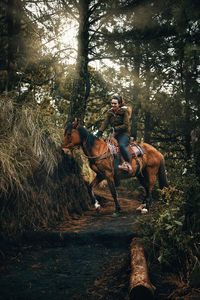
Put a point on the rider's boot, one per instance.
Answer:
(130, 170)
(126, 166)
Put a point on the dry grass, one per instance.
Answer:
(25, 143)
(30, 192)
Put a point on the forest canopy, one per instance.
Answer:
(69, 57)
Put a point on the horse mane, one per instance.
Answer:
(68, 128)
(86, 136)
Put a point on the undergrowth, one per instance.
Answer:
(171, 230)
(39, 185)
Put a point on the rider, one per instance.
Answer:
(118, 118)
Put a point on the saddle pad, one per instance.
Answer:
(135, 150)
(113, 149)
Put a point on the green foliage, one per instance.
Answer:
(166, 237)
(190, 185)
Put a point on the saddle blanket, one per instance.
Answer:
(134, 149)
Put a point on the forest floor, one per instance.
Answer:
(84, 258)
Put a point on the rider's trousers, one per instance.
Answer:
(123, 140)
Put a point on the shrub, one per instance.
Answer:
(167, 238)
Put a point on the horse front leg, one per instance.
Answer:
(148, 201)
(92, 185)
(112, 188)
(143, 179)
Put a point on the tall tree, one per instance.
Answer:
(20, 44)
(93, 14)
(81, 83)
(11, 42)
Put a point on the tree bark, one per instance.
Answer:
(81, 83)
(136, 105)
(147, 127)
(140, 285)
(147, 117)
(10, 43)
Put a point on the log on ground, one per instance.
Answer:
(140, 285)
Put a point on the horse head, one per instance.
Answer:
(71, 135)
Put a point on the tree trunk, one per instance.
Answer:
(147, 118)
(136, 104)
(81, 83)
(147, 127)
(10, 43)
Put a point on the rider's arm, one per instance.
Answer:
(105, 123)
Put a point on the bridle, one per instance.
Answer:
(94, 158)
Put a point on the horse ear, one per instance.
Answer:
(75, 123)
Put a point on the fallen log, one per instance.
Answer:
(140, 285)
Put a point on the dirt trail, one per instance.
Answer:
(84, 258)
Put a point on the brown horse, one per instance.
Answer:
(146, 167)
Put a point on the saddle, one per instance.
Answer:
(134, 149)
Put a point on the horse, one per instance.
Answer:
(146, 167)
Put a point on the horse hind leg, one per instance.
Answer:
(147, 181)
(152, 175)
(162, 177)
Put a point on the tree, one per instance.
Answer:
(81, 83)
(155, 29)
(11, 43)
(20, 44)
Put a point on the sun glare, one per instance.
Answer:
(69, 37)
(69, 42)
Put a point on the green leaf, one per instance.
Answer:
(169, 227)
(178, 223)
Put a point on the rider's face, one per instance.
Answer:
(114, 104)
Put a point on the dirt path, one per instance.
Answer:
(83, 258)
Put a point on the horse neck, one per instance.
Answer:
(98, 148)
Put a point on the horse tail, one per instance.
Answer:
(162, 176)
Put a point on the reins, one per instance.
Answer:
(99, 157)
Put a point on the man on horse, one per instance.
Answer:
(118, 118)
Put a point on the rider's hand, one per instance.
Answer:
(99, 134)
(112, 130)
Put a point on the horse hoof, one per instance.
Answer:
(97, 205)
(141, 207)
(144, 211)
(116, 214)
